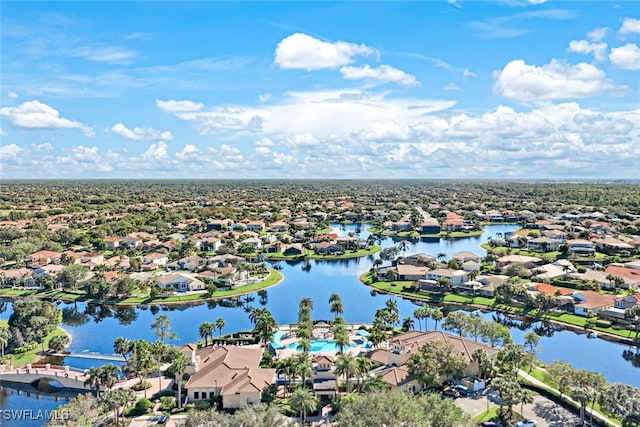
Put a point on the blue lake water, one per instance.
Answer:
(95, 328)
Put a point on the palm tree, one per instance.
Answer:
(303, 366)
(205, 331)
(93, 379)
(122, 346)
(437, 315)
(178, 366)
(346, 365)
(220, 325)
(442, 257)
(408, 324)
(304, 345)
(306, 302)
(337, 308)
(364, 365)
(403, 246)
(341, 338)
(108, 375)
(303, 400)
(266, 326)
(5, 335)
(526, 398)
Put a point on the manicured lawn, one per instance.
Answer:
(490, 415)
(16, 292)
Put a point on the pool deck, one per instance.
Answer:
(321, 333)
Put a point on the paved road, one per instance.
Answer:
(543, 410)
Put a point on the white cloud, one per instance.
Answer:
(156, 152)
(630, 26)
(597, 34)
(627, 57)
(140, 134)
(466, 73)
(84, 154)
(173, 106)
(556, 80)
(536, 1)
(451, 86)
(114, 54)
(583, 46)
(9, 152)
(189, 152)
(301, 51)
(383, 74)
(264, 97)
(36, 115)
(13, 95)
(2, 132)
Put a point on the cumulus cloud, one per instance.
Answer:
(173, 106)
(556, 80)
(630, 26)
(301, 51)
(9, 152)
(382, 74)
(141, 134)
(188, 152)
(156, 152)
(597, 34)
(36, 115)
(583, 46)
(626, 57)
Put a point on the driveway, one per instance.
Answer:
(543, 410)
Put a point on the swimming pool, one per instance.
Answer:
(321, 346)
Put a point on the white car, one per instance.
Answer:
(527, 423)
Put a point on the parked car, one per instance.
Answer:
(163, 419)
(527, 423)
(451, 392)
(462, 389)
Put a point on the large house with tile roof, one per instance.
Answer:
(233, 373)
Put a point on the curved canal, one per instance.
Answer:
(94, 328)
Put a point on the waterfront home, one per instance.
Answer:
(328, 248)
(430, 226)
(630, 276)
(294, 249)
(465, 256)
(457, 277)
(589, 303)
(543, 244)
(233, 373)
(18, 277)
(401, 347)
(408, 272)
(49, 271)
(179, 282)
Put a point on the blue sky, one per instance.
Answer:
(434, 89)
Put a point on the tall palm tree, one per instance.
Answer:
(346, 365)
(306, 302)
(302, 400)
(179, 366)
(363, 366)
(303, 366)
(205, 330)
(437, 315)
(5, 335)
(442, 257)
(403, 246)
(336, 306)
(341, 338)
(220, 324)
(266, 326)
(304, 345)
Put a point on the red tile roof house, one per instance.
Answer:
(591, 302)
(41, 258)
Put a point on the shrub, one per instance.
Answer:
(141, 386)
(603, 323)
(167, 403)
(19, 350)
(143, 405)
(201, 405)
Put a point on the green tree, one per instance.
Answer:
(178, 367)
(206, 330)
(5, 335)
(456, 321)
(437, 315)
(346, 365)
(303, 401)
(392, 407)
(336, 306)
(162, 328)
(220, 325)
(407, 324)
(122, 346)
(57, 343)
(508, 389)
(93, 379)
(531, 340)
(436, 359)
(266, 325)
(72, 275)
